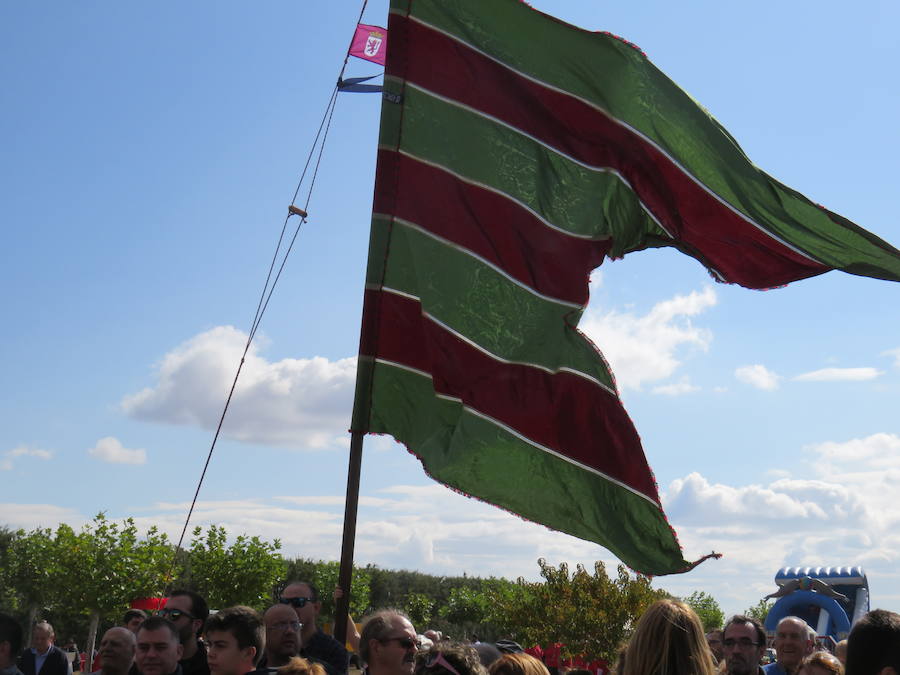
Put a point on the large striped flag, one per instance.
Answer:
(516, 153)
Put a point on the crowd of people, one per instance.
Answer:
(183, 638)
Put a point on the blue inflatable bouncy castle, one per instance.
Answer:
(830, 599)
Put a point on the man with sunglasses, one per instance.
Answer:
(388, 644)
(743, 643)
(188, 611)
(316, 644)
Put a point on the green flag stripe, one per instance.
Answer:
(592, 167)
(596, 203)
(475, 300)
(495, 357)
(479, 457)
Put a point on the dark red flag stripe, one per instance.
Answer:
(493, 227)
(741, 252)
(562, 411)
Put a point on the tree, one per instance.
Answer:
(590, 614)
(760, 611)
(33, 561)
(245, 573)
(325, 577)
(706, 607)
(104, 566)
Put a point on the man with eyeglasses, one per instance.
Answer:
(743, 644)
(388, 644)
(189, 611)
(303, 597)
(282, 637)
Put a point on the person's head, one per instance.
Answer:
(487, 653)
(820, 663)
(388, 643)
(282, 634)
(873, 647)
(300, 666)
(235, 638)
(42, 636)
(840, 651)
(668, 638)
(133, 619)
(304, 598)
(10, 640)
(117, 648)
(518, 663)
(188, 611)
(792, 642)
(714, 640)
(743, 644)
(158, 646)
(450, 659)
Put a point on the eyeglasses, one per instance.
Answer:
(405, 642)
(437, 659)
(285, 626)
(295, 602)
(743, 643)
(175, 614)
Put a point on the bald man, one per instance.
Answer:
(282, 636)
(117, 647)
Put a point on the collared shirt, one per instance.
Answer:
(774, 668)
(40, 658)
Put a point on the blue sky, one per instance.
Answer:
(149, 155)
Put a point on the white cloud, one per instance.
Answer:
(643, 349)
(302, 403)
(841, 511)
(683, 386)
(758, 376)
(6, 460)
(839, 375)
(110, 449)
(895, 353)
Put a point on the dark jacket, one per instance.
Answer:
(56, 663)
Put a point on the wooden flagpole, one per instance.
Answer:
(345, 576)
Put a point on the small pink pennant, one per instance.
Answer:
(370, 43)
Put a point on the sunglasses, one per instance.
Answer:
(174, 614)
(437, 659)
(405, 642)
(295, 602)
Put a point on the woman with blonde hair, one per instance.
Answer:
(820, 663)
(668, 640)
(518, 664)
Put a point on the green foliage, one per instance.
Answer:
(591, 614)
(760, 610)
(326, 580)
(245, 573)
(711, 615)
(418, 608)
